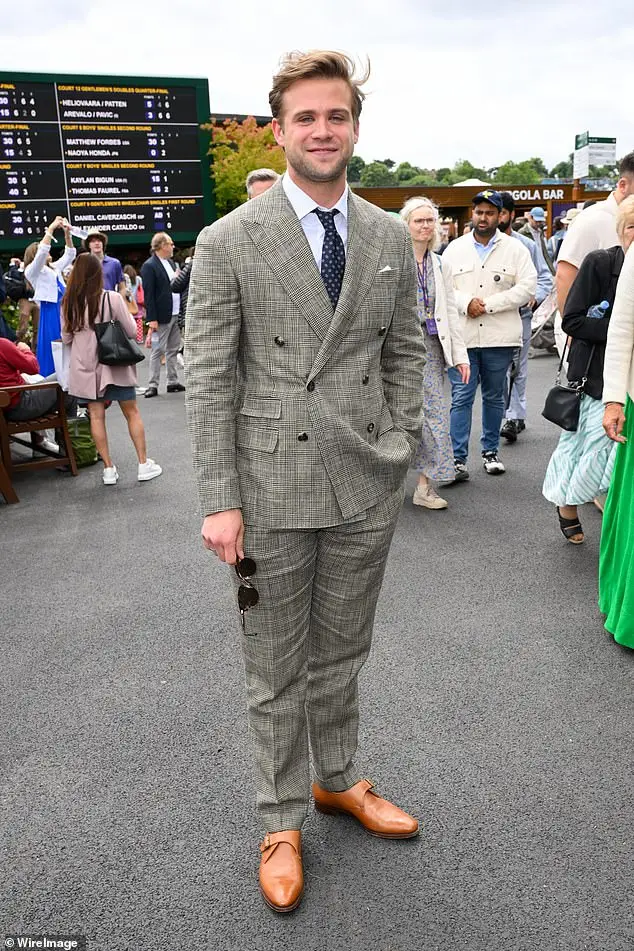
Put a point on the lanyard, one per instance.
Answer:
(422, 271)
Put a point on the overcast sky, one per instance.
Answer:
(486, 81)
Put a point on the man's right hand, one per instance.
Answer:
(476, 307)
(223, 533)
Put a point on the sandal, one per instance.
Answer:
(569, 528)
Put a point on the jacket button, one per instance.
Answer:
(303, 437)
(280, 341)
(365, 380)
(370, 427)
(310, 386)
(382, 331)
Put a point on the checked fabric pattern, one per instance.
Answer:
(333, 255)
(300, 415)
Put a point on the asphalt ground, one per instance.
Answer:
(494, 706)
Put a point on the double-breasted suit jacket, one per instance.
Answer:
(302, 417)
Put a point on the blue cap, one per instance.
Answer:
(538, 213)
(489, 194)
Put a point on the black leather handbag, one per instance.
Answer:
(563, 403)
(114, 347)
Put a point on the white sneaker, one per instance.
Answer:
(148, 470)
(110, 475)
(492, 464)
(180, 360)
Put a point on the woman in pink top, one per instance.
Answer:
(85, 303)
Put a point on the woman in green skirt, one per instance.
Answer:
(616, 562)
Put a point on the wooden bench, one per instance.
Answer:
(10, 431)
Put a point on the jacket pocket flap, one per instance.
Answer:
(251, 437)
(386, 423)
(261, 407)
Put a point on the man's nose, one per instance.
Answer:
(321, 129)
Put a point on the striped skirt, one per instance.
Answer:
(581, 466)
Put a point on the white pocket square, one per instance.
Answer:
(384, 269)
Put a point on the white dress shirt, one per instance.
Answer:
(304, 207)
(171, 274)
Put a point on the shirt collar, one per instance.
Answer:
(487, 247)
(303, 204)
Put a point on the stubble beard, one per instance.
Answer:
(312, 173)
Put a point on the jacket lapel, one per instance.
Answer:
(362, 259)
(278, 236)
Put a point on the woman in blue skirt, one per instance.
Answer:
(581, 466)
(45, 276)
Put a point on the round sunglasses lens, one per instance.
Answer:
(246, 567)
(247, 598)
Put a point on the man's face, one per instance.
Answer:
(316, 129)
(536, 223)
(506, 220)
(95, 246)
(167, 249)
(485, 219)
(257, 188)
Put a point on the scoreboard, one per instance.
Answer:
(125, 156)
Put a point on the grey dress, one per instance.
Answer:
(434, 456)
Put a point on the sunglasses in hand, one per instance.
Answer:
(248, 595)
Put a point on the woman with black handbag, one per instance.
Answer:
(581, 466)
(85, 307)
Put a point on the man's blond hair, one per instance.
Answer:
(317, 64)
(159, 239)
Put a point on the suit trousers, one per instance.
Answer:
(304, 644)
(169, 343)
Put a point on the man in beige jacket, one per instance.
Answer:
(493, 277)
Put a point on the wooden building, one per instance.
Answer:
(455, 201)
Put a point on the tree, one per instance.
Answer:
(376, 173)
(388, 161)
(539, 167)
(355, 167)
(562, 169)
(464, 169)
(236, 149)
(518, 173)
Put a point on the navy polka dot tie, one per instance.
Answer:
(333, 255)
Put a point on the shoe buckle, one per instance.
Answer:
(266, 843)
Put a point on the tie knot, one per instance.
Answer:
(327, 218)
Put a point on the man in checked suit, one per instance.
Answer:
(304, 383)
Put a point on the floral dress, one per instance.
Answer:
(434, 456)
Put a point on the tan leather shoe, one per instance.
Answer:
(377, 815)
(281, 873)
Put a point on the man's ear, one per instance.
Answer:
(278, 132)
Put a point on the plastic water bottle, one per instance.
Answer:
(599, 310)
(155, 337)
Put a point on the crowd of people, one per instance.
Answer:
(60, 301)
(329, 349)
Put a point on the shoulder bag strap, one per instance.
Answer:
(107, 296)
